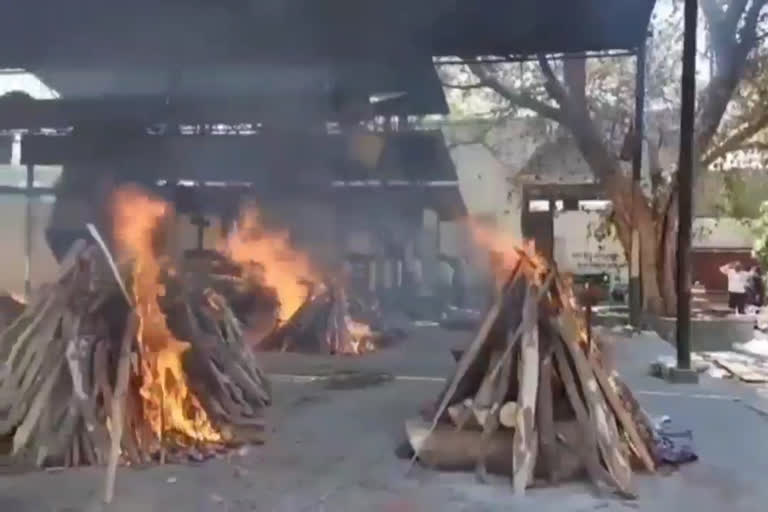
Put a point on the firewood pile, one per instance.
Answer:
(532, 386)
(323, 324)
(93, 371)
(255, 304)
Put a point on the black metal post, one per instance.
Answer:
(685, 187)
(635, 286)
(28, 230)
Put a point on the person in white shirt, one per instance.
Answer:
(737, 285)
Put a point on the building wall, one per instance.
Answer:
(12, 233)
(493, 171)
(579, 252)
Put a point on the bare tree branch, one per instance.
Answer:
(522, 100)
(729, 72)
(736, 138)
(464, 87)
(551, 83)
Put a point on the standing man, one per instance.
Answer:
(756, 287)
(737, 285)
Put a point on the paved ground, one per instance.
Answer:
(332, 449)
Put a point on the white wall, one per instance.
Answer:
(578, 251)
(722, 233)
(12, 234)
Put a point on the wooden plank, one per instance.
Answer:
(545, 418)
(626, 421)
(491, 420)
(79, 353)
(607, 433)
(484, 397)
(525, 439)
(740, 370)
(588, 448)
(24, 431)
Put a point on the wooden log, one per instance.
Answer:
(118, 403)
(462, 415)
(447, 449)
(79, 353)
(483, 400)
(525, 438)
(491, 420)
(605, 423)
(508, 415)
(588, 448)
(545, 419)
(637, 444)
(40, 400)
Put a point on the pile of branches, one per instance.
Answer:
(323, 325)
(71, 371)
(531, 398)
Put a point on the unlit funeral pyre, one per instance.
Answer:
(531, 399)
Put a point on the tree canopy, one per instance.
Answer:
(593, 99)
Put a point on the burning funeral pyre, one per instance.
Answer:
(531, 397)
(310, 310)
(134, 359)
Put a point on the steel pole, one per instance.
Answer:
(685, 187)
(28, 230)
(635, 283)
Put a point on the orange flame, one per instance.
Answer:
(362, 337)
(280, 265)
(169, 406)
(507, 250)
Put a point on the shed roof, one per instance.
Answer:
(362, 46)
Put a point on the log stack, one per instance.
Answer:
(531, 397)
(74, 384)
(323, 325)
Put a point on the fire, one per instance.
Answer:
(362, 337)
(506, 249)
(169, 406)
(269, 253)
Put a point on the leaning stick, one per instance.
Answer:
(110, 260)
(118, 402)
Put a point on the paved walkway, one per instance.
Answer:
(332, 449)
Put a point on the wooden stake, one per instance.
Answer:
(605, 423)
(588, 449)
(118, 403)
(110, 260)
(545, 418)
(526, 439)
(625, 420)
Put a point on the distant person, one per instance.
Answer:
(737, 285)
(756, 287)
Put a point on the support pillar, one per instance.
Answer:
(635, 283)
(685, 190)
(28, 221)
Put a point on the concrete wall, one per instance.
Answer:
(12, 229)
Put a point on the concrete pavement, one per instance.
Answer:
(331, 449)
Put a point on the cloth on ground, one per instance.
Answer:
(673, 446)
